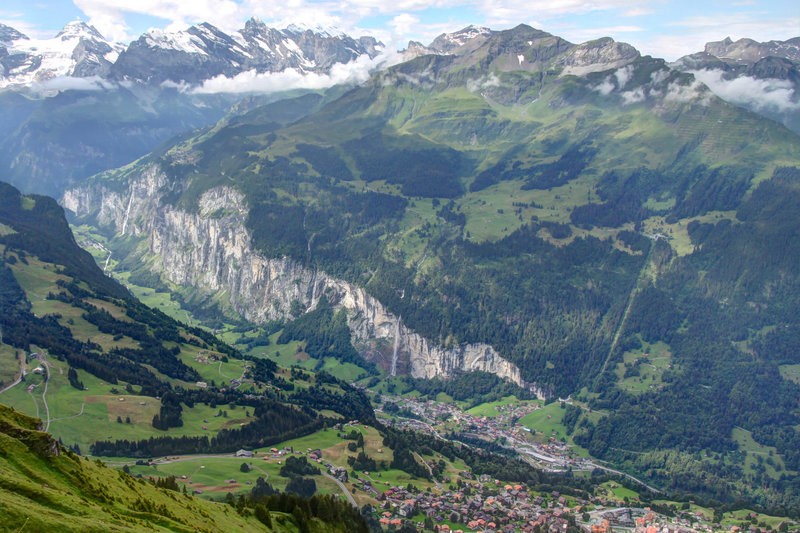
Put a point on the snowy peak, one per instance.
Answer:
(78, 50)
(191, 56)
(204, 52)
(79, 30)
(9, 34)
(448, 42)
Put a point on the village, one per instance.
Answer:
(429, 417)
(486, 505)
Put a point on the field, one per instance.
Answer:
(790, 372)
(758, 456)
(742, 516)
(613, 490)
(655, 359)
(9, 364)
(546, 421)
(82, 417)
(217, 475)
(490, 408)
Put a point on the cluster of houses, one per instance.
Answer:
(492, 507)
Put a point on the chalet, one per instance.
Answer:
(244, 453)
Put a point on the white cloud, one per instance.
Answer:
(690, 35)
(692, 92)
(544, 9)
(637, 12)
(109, 15)
(634, 96)
(587, 34)
(606, 87)
(488, 81)
(404, 23)
(623, 75)
(761, 95)
(68, 83)
(354, 72)
(25, 27)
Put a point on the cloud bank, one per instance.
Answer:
(757, 94)
(69, 83)
(354, 72)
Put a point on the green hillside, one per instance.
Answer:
(575, 223)
(97, 365)
(46, 487)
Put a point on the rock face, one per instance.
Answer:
(211, 250)
(597, 56)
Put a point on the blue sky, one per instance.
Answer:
(665, 28)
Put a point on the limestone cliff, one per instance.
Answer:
(211, 249)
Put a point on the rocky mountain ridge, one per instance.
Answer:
(211, 250)
(192, 56)
(528, 49)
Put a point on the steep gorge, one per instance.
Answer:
(211, 250)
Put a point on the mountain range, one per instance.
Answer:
(188, 57)
(78, 104)
(579, 219)
(586, 222)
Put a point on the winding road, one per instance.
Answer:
(44, 392)
(19, 378)
(344, 489)
(430, 470)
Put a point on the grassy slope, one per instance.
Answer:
(44, 492)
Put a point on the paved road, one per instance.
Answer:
(16, 382)
(44, 392)
(430, 470)
(344, 489)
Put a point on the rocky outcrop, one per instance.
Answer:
(750, 51)
(211, 249)
(597, 56)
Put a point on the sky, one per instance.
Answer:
(662, 28)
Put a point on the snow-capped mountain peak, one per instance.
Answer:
(79, 30)
(179, 41)
(447, 42)
(190, 56)
(9, 34)
(78, 50)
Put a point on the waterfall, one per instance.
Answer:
(396, 345)
(107, 260)
(127, 212)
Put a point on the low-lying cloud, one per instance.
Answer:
(756, 94)
(69, 83)
(354, 72)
